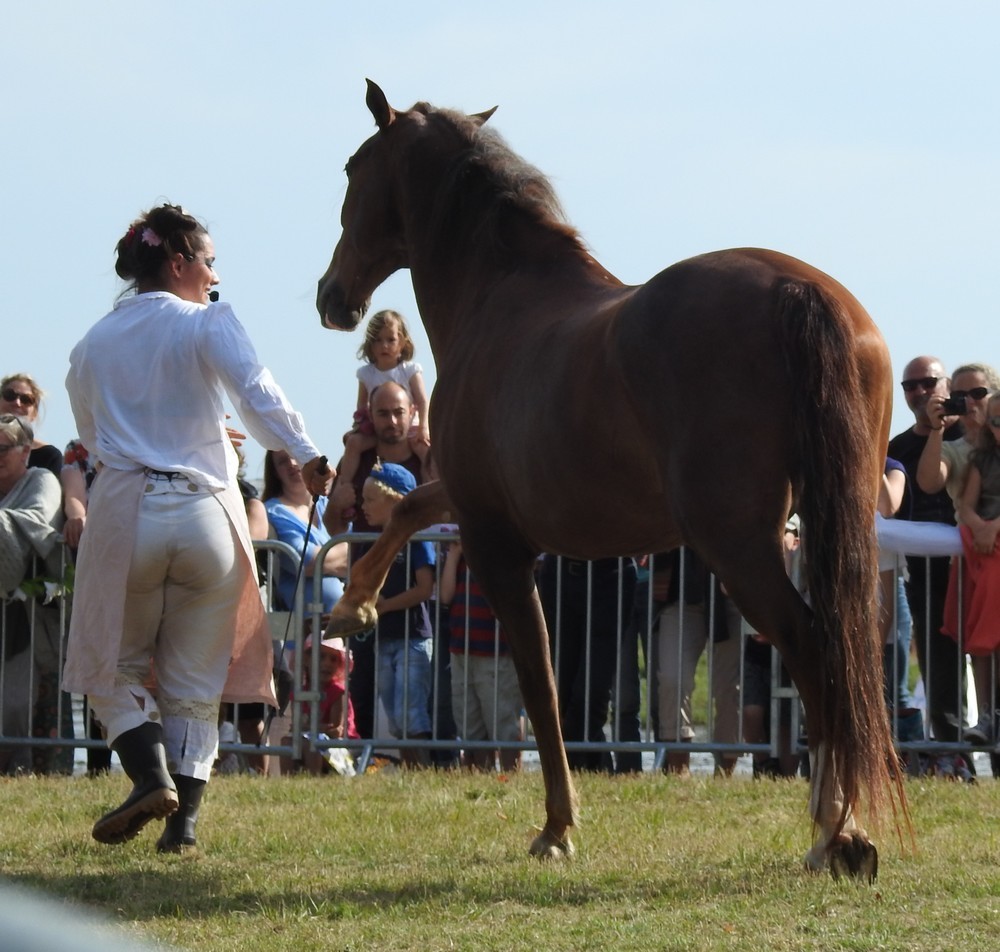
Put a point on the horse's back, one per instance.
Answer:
(734, 288)
(718, 322)
(709, 346)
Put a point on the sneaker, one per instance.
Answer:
(964, 769)
(981, 733)
(952, 767)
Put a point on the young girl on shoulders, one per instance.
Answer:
(388, 355)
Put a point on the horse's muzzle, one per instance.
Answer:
(334, 313)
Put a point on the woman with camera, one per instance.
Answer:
(944, 465)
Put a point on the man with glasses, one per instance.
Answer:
(941, 663)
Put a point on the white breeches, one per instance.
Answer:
(184, 585)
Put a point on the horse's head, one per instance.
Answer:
(374, 242)
(371, 246)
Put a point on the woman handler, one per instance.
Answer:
(166, 588)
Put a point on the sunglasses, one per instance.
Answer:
(976, 393)
(927, 383)
(13, 396)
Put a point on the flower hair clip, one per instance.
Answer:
(151, 238)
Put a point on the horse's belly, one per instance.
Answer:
(591, 509)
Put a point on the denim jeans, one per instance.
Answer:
(896, 654)
(405, 679)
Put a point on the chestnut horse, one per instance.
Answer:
(574, 414)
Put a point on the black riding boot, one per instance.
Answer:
(153, 795)
(178, 834)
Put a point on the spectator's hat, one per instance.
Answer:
(394, 477)
(331, 644)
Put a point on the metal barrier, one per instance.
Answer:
(34, 714)
(625, 683)
(42, 726)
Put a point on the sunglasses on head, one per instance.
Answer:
(13, 396)
(6, 419)
(976, 393)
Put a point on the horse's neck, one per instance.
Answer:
(459, 273)
(454, 282)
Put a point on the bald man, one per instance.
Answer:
(941, 663)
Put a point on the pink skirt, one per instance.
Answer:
(980, 599)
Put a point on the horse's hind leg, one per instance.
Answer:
(843, 847)
(509, 584)
(355, 611)
(769, 601)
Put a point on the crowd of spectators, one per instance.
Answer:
(627, 635)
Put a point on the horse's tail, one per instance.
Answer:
(838, 426)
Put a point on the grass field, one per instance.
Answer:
(439, 861)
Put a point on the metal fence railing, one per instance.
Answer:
(645, 678)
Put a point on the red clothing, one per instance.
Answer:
(980, 598)
(332, 694)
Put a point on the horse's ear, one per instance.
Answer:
(480, 117)
(379, 106)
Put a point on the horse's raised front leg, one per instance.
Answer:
(509, 583)
(426, 505)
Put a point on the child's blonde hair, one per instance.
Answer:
(375, 324)
(392, 480)
(384, 490)
(987, 441)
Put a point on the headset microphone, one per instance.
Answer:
(213, 296)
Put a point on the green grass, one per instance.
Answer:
(439, 861)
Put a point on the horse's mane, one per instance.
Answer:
(488, 187)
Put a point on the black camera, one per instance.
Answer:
(955, 406)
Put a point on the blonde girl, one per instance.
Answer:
(387, 353)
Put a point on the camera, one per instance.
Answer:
(954, 406)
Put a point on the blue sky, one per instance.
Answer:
(861, 137)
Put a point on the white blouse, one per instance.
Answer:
(147, 381)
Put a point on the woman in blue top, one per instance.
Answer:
(288, 502)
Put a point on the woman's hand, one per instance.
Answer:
(234, 435)
(984, 537)
(72, 530)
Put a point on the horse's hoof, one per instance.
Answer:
(348, 620)
(548, 846)
(856, 858)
